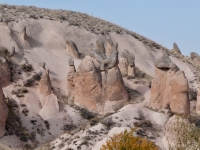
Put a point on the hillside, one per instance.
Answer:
(34, 39)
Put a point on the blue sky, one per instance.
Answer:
(164, 21)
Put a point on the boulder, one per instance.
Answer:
(72, 50)
(176, 49)
(163, 61)
(87, 81)
(198, 102)
(179, 99)
(50, 108)
(45, 83)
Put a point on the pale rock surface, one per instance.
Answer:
(160, 90)
(50, 108)
(5, 73)
(12, 51)
(123, 66)
(87, 81)
(198, 102)
(179, 100)
(163, 61)
(176, 49)
(4, 112)
(131, 62)
(113, 84)
(100, 46)
(70, 81)
(45, 83)
(195, 59)
(72, 50)
(109, 44)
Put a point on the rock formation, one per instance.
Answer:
(72, 50)
(114, 92)
(100, 46)
(176, 49)
(45, 83)
(99, 89)
(87, 81)
(198, 102)
(163, 61)
(12, 51)
(123, 66)
(169, 88)
(4, 112)
(50, 108)
(131, 63)
(42, 65)
(109, 44)
(179, 100)
(5, 72)
(70, 82)
(5, 22)
(23, 34)
(195, 59)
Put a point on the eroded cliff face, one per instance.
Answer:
(37, 64)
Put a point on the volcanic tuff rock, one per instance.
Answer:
(3, 111)
(72, 50)
(195, 59)
(169, 88)
(198, 102)
(131, 62)
(123, 66)
(70, 82)
(45, 83)
(87, 81)
(163, 61)
(50, 108)
(179, 100)
(176, 49)
(5, 73)
(100, 89)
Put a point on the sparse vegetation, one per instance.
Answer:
(127, 141)
(187, 135)
(26, 67)
(108, 122)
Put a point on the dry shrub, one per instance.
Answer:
(187, 135)
(127, 141)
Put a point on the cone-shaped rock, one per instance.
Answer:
(87, 81)
(45, 83)
(50, 108)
